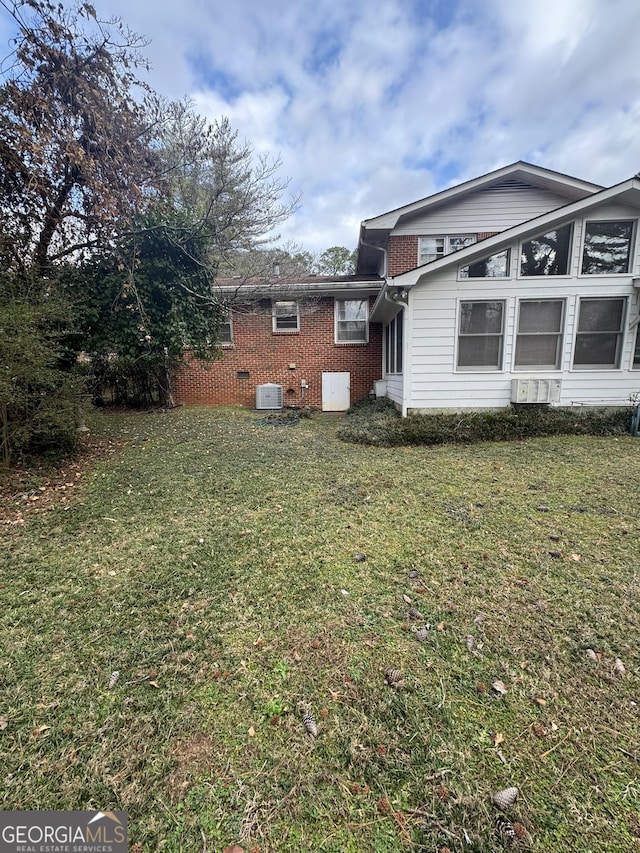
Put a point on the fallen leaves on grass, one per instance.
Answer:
(384, 806)
(499, 687)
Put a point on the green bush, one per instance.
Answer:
(377, 422)
(38, 396)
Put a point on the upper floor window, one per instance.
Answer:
(547, 254)
(352, 321)
(432, 248)
(539, 338)
(481, 335)
(607, 247)
(600, 333)
(495, 266)
(285, 317)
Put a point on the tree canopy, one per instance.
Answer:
(76, 127)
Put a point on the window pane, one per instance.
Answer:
(480, 351)
(287, 324)
(537, 350)
(548, 254)
(352, 330)
(496, 266)
(457, 243)
(431, 248)
(540, 316)
(225, 330)
(480, 318)
(597, 350)
(387, 348)
(636, 354)
(286, 309)
(399, 325)
(607, 247)
(352, 309)
(601, 315)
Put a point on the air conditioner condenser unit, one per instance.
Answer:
(268, 396)
(535, 390)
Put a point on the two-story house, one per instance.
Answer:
(519, 286)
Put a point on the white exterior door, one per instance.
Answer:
(336, 392)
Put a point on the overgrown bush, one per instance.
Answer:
(38, 394)
(377, 422)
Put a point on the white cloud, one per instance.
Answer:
(372, 105)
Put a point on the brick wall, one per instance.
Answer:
(258, 356)
(402, 254)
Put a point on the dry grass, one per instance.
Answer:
(212, 562)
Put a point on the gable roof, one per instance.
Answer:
(512, 175)
(374, 232)
(626, 192)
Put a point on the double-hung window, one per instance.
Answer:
(393, 344)
(285, 317)
(481, 335)
(432, 248)
(607, 247)
(352, 321)
(539, 338)
(225, 332)
(600, 333)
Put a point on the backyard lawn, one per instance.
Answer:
(239, 575)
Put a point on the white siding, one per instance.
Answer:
(485, 210)
(395, 387)
(435, 382)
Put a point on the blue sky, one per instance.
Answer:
(374, 105)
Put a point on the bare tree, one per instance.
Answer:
(75, 128)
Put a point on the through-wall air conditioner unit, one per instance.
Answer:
(268, 396)
(535, 390)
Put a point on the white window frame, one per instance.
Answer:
(620, 333)
(635, 352)
(393, 344)
(567, 273)
(228, 322)
(338, 321)
(559, 336)
(278, 312)
(467, 277)
(472, 368)
(632, 241)
(428, 257)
